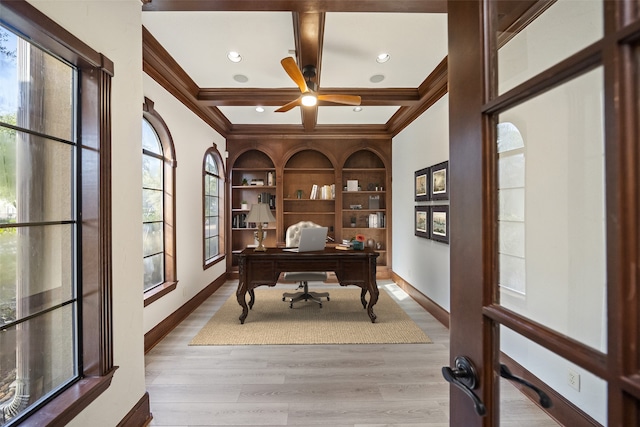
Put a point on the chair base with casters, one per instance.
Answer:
(305, 294)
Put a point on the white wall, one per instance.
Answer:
(191, 137)
(423, 263)
(113, 28)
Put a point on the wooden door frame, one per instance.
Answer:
(474, 330)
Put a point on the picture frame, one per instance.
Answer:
(439, 224)
(439, 181)
(421, 185)
(422, 220)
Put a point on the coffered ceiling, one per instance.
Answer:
(186, 43)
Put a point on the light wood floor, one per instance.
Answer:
(305, 385)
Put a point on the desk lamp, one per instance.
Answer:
(259, 214)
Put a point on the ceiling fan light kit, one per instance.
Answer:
(309, 88)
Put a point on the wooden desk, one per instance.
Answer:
(263, 268)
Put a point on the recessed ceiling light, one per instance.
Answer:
(376, 78)
(241, 78)
(382, 58)
(357, 109)
(260, 109)
(234, 56)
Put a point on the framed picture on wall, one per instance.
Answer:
(439, 224)
(422, 185)
(439, 181)
(422, 221)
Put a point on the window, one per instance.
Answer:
(158, 206)
(55, 255)
(213, 197)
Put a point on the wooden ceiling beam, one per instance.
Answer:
(308, 30)
(388, 6)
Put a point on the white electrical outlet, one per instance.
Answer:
(573, 379)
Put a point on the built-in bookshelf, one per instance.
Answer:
(304, 173)
(364, 200)
(252, 181)
(309, 182)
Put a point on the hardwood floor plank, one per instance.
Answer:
(372, 385)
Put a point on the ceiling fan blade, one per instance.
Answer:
(290, 66)
(288, 106)
(341, 99)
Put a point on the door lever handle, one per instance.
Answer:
(545, 400)
(464, 377)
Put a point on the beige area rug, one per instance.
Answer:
(342, 320)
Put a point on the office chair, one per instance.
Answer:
(292, 239)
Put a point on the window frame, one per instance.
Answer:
(96, 368)
(169, 213)
(213, 151)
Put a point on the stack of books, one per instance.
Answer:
(326, 192)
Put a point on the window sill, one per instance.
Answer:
(158, 292)
(61, 410)
(213, 261)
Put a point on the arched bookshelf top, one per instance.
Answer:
(363, 159)
(308, 158)
(253, 159)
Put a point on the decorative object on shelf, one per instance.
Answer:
(271, 178)
(257, 181)
(440, 224)
(371, 243)
(422, 221)
(355, 206)
(260, 213)
(421, 185)
(244, 181)
(244, 205)
(378, 245)
(299, 194)
(358, 243)
(353, 221)
(352, 185)
(374, 202)
(439, 182)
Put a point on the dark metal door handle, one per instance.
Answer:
(545, 400)
(464, 377)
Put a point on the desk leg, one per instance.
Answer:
(373, 293)
(252, 298)
(241, 292)
(373, 290)
(362, 298)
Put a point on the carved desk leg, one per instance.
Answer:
(362, 297)
(242, 289)
(373, 291)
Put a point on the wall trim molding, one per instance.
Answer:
(562, 411)
(427, 303)
(139, 415)
(155, 335)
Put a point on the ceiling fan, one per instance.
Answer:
(309, 89)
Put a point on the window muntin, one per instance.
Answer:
(39, 236)
(152, 207)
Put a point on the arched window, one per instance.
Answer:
(213, 193)
(158, 206)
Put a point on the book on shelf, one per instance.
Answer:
(377, 220)
(326, 192)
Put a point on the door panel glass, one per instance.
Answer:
(551, 210)
(581, 388)
(563, 29)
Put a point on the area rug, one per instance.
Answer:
(342, 320)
